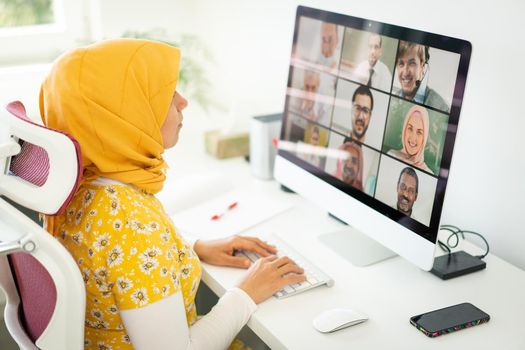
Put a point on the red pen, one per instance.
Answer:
(230, 207)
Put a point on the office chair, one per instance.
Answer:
(40, 169)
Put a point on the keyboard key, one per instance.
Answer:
(314, 276)
(252, 256)
(288, 289)
(302, 286)
(312, 280)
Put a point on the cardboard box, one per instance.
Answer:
(226, 146)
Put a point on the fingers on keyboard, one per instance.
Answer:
(290, 268)
(293, 278)
(282, 261)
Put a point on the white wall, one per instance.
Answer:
(251, 43)
(23, 83)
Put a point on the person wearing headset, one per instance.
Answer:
(412, 71)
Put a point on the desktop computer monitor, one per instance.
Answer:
(368, 129)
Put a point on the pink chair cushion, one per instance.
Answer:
(37, 293)
(32, 163)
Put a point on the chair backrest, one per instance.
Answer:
(44, 288)
(47, 166)
(37, 293)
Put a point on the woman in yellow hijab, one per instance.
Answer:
(118, 98)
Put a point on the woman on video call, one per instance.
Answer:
(118, 98)
(414, 138)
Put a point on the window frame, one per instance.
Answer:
(42, 43)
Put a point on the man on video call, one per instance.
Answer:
(407, 189)
(352, 167)
(373, 72)
(412, 71)
(362, 106)
(329, 42)
(309, 107)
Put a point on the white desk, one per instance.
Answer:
(390, 292)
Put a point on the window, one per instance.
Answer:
(37, 31)
(19, 13)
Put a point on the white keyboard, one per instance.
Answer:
(314, 276)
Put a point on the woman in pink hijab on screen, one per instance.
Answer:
(414, 137)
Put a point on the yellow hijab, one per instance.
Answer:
(113, 97)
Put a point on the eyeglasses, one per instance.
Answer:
(357, 109)
(410, 190)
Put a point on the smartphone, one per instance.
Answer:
(449, 319)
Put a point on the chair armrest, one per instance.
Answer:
(7, 248)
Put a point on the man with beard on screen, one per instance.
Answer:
(407, 189)
(362, 106)
(350, 170)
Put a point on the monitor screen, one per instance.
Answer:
(372, 110)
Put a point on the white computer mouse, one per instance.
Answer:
(335, 319)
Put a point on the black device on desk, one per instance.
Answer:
(456, 264)
(449, 319)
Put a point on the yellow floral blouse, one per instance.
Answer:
(129, 254)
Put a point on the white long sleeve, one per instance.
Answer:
(163, 325)
(217, 329)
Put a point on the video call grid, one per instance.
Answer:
(332, 132)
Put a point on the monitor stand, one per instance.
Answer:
(356, 247)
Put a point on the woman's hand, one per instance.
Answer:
(220, 251)
(270, 274)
